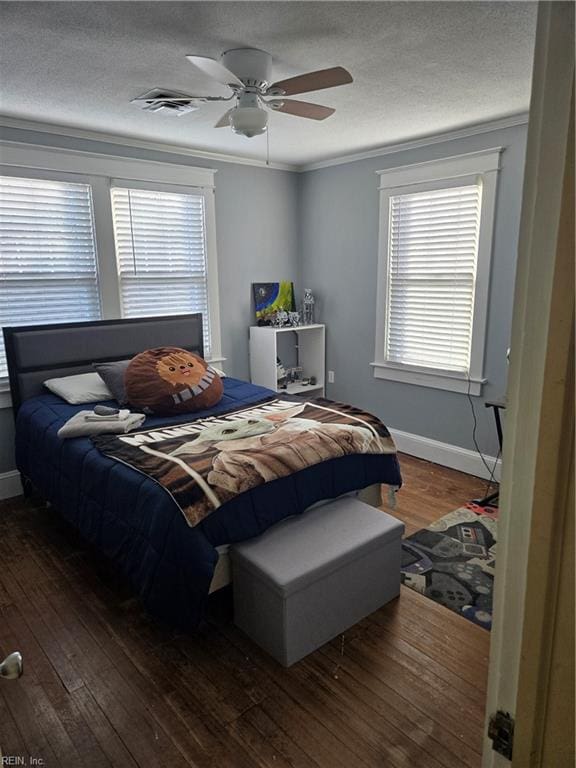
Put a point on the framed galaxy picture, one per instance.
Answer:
(271, 298)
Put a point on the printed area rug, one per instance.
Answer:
(452, 561)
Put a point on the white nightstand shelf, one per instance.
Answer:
(300, 389)
(310, 345)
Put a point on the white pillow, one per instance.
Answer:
(81, 388)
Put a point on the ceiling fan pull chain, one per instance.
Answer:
(268, 145)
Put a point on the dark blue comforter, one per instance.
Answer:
(131, 519)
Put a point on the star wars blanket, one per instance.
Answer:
(207, 462)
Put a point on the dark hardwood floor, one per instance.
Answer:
(105, 685)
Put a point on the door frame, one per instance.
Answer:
(539, 427)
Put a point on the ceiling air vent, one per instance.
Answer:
(152, 101)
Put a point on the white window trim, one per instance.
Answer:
(99, 170)
(480, 166)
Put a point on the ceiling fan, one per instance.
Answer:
(247, 72)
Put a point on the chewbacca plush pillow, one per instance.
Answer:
(171, 380)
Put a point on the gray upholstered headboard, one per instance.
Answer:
(39, 352)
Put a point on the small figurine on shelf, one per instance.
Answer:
(308, 307)
(294, 319)
(281, 319)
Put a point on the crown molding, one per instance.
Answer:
(424, 141)
(178, 149)
(126, 141)
(65, 160)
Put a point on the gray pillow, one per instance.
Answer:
(113, 376)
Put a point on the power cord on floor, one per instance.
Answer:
(491, 480)
(491, 471)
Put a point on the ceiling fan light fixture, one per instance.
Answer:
(249, 121)
(247, 73)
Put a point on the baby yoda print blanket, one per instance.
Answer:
(205, 463)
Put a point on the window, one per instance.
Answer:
(433, 247)
(161, 251)
(48, 268)
(435, 243)
(85, 236)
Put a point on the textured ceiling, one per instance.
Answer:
(419, 67)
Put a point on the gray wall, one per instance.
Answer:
(339, 210)
(257, 237)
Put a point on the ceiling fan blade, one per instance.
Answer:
(301, 108)
(215, 70)
(225, 119)
(311, 81)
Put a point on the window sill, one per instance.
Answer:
(435, 379)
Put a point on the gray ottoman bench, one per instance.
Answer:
(311, 577)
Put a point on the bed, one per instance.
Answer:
(126, 515)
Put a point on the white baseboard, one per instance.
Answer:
(445, 454)
(10, 484)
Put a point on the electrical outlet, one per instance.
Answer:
(330, 377)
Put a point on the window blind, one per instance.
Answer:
(433, 247)
(48, 270)
(161, 253)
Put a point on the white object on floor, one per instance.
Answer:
(311, 577)
(12, 667)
